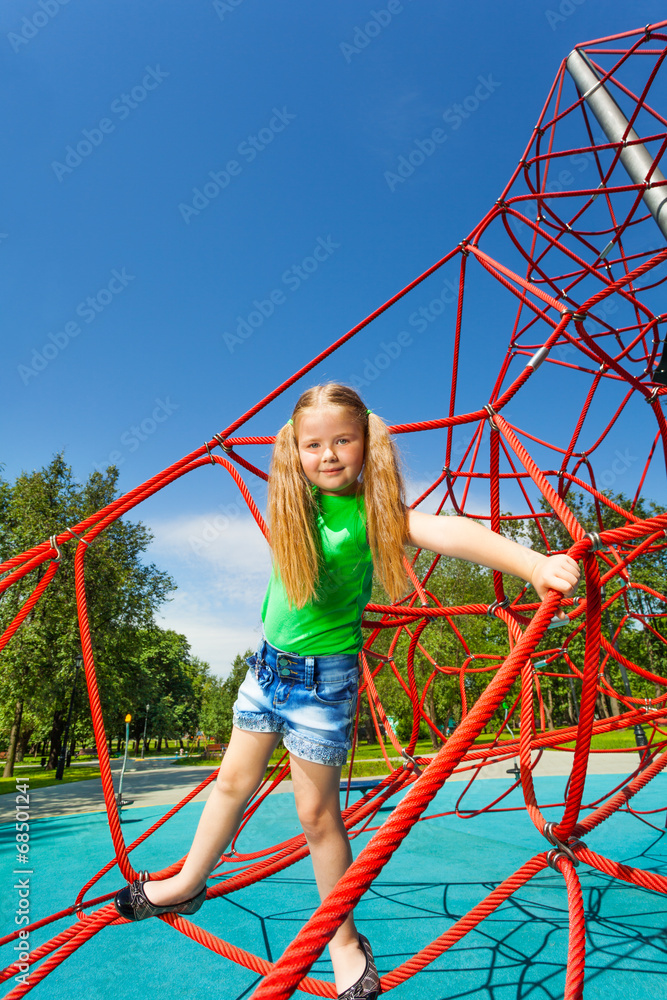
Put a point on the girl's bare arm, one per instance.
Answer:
(462, 538)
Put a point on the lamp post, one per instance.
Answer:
(143, 741)
(63, 753)
(120, 801)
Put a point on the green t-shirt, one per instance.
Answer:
(331, 623)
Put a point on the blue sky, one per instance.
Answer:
(167, 312)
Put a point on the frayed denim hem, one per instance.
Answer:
(315, 751)
(256, 723)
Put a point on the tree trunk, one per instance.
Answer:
(432, 716)
(159, 744)
(549, 704)
(22, 744)
(13, 740)
(615, 707)
(56, 739)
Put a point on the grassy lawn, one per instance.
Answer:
(368, 760)
(39, 777)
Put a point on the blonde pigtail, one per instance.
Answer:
(384, 498)
(291, 516)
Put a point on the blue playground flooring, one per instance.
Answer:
(442, 869)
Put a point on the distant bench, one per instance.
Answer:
(361, 784)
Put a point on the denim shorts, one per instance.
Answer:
(310, 700)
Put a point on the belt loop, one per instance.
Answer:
(309, 672)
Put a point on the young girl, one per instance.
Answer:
(336, 514)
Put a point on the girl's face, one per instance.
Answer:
(331, 449)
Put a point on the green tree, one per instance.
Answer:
(122, 592)
(452, 583)
(635, 620)
(219, 698)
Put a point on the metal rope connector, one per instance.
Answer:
(208, 452)
(492, 413)
(561, 848)
(53, 542)
(596, 541)
(220, 440)
(492, 608)
(409, 761)
(651, 399)
(78, 537)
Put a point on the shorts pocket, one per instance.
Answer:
(337, 690)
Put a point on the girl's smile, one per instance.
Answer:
(331, 449)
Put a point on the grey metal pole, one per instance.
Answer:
(122, 770)
(143, 741)
(60, 770)
(636, 158)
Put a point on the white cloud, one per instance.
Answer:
(221, 564)
(214, 636)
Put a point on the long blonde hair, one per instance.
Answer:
(292, 508)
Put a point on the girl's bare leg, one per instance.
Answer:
(316, 790)
(241, 770)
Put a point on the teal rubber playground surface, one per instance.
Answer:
(443, 868)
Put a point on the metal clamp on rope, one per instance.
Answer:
(226, 448)
(651, 399)
(409, 761)
(53, 542)
(492, 608)
(553, 856)
(561, 848)
(208, 452)
(492, 413)
(596, 541)
(78, 537)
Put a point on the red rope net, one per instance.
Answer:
(570, 257)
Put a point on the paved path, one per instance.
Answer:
(165, 786)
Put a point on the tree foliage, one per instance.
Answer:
(137, 663)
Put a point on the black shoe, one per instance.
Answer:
(133, 904)
(367, 987)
